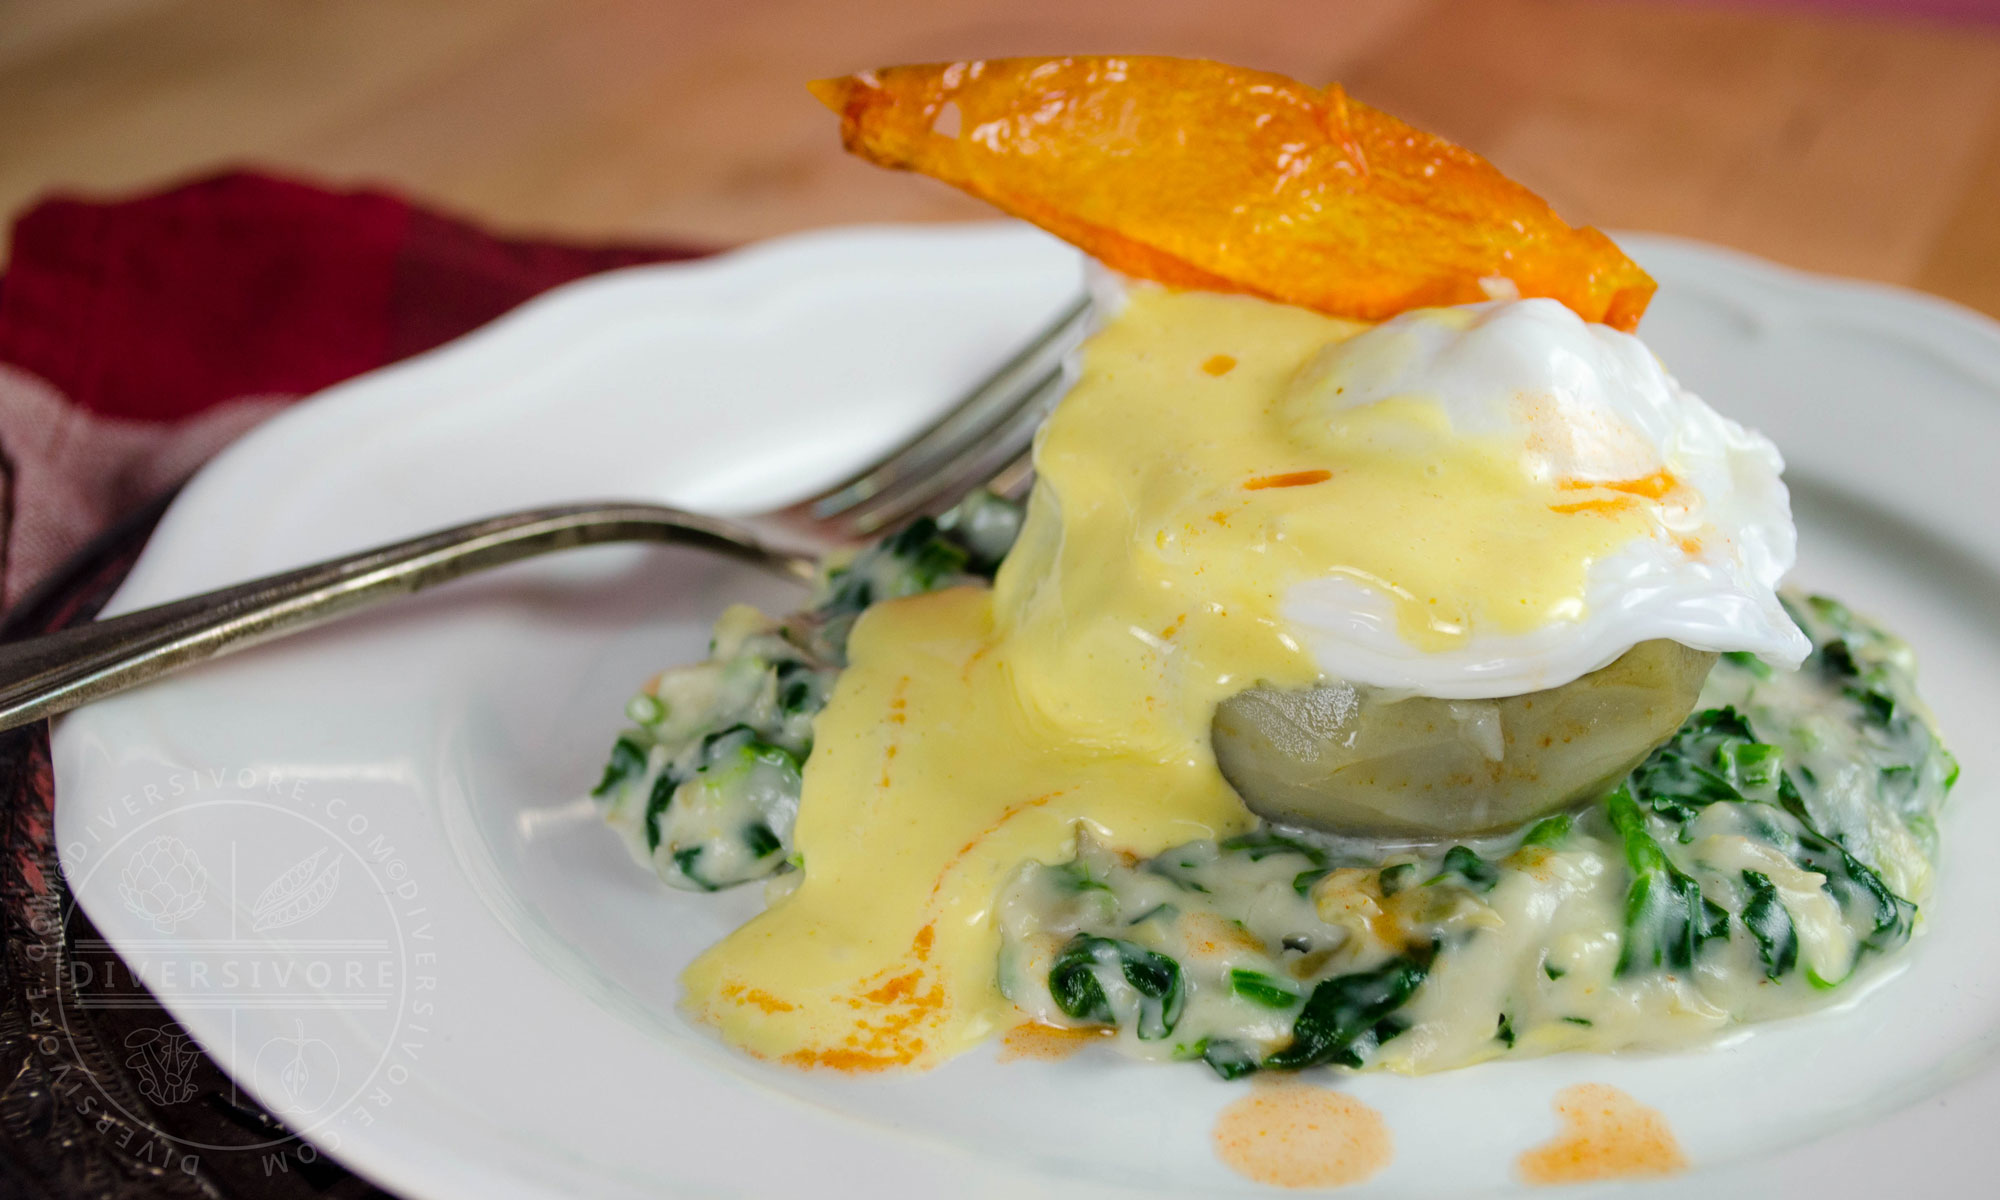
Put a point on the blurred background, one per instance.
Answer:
(1847, 136)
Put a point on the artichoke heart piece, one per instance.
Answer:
(1353, 760)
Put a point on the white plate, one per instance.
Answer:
(510, 1029)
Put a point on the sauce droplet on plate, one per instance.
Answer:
(1296, 1135)
(1606, 1134)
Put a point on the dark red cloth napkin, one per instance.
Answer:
(137, 337)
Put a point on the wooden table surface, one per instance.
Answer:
(1865, 146)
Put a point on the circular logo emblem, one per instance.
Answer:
(282, 930)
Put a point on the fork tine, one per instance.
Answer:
(899, 484)
(1001, 451)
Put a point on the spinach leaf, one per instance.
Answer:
(688, 859)
(1768, 922)
(1747, 661)
(1231, 1060)
(1348, 1016)
(1075, 876)
(1712, 759)
(1716, 758)
(1848, 879)
(1302, 883)
(1860, 680)
(1078, 989)
(657, 802)
(760, 840)
(1073, 984)
(1258, 988)
(1549, 831)
(1391, 880)
(1261, 844)
(1465, 864)
(628, 758)
(801, 689)
(1667, 919)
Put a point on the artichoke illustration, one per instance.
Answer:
(164, 883)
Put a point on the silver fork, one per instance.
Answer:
(983, 440)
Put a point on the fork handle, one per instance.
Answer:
(43, 676)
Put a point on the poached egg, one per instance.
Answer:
(1589, 411)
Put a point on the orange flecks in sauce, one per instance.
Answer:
(1168, 633)
(1652, 487)
(894, 1010)
(1535, 861)
(898, 716)
(1288, 479)
(1295, 1135)
(1209, 935)
(1221, 364)
(756, 998)
(1012, 811)
(1352, 898)
(1647, 487)
(1048, 1043)
(1614, 504)
(1606, 1135)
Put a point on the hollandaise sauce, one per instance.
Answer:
(977, 803)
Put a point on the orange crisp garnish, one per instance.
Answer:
(1201, 175)
(1288, 479)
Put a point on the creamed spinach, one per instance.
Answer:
(1753, 866)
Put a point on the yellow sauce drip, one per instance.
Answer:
(972, 731)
